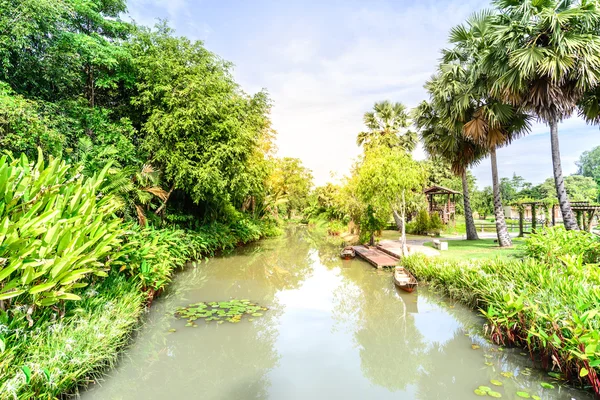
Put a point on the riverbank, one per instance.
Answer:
(547, 303)
(65, 349)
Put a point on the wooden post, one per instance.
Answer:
(533, 218)
(590, 224)
(521, 217)
(553, 215)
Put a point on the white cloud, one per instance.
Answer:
(325, 64)
(322, 87)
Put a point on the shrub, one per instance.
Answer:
(552, 244)
(425, 224)
(435, 224)
(421, 223)
(55, 231)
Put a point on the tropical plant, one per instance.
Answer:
(542, 57)
(136, 188)
(387, 125)
(551, 245)
(56, 229)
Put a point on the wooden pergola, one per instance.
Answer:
(441, 200)
(534, 206)
(585, 213)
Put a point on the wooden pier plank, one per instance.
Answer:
(375, 257)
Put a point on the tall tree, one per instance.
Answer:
(387, 125)
(292, 180)
(387, 179)
(200, 128)
(63, 49)
(589, 164)
(452, 147)
(463, 88)
(543, 57)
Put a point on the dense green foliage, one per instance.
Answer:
(552, 245)
(55, 230)
(290, 181)
(589, 164)
(57, 353)
(201, 130)
(387, 180)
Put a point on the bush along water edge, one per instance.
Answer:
(550, 308)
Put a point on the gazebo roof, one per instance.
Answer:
(440, 190)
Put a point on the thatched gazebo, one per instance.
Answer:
(442, 201)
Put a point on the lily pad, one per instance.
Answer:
(494, 394)
(486, 389)
(496, 382)
(536, 397)
(546, 385)
(231, 311)
(479, 392)
(524, 395)
(507, 374)
(474, 346)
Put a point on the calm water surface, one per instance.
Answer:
(334, 330)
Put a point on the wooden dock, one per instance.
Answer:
(392, 248)
(375, 257)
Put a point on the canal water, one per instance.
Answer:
(333, 330)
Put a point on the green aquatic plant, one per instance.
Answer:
(231, 311)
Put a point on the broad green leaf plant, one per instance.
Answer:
(56, 231)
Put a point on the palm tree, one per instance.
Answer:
(453, 148)
(387, 125)
(543, 57)
(136, 188)
(461, 96)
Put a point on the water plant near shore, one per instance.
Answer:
(232, 311)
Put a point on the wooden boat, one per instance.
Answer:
(348, 253)
(404, 280)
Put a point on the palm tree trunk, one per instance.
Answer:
(469, 222)
(501, 229)
(563, 201)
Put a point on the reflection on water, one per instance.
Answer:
(334, 329)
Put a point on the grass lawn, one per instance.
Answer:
(480, 249)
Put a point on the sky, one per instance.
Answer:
(325, 63)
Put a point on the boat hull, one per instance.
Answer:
(348, 253)
(404, 280)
